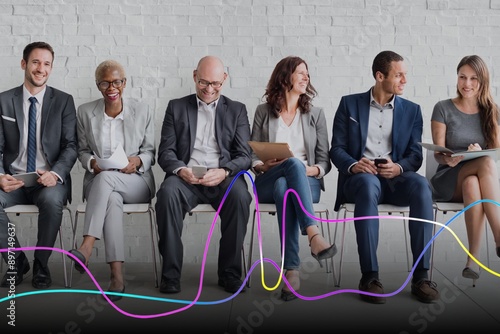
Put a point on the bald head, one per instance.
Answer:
(210, 62)
(208, 78)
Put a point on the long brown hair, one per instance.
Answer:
(488, 109)
(280, 82)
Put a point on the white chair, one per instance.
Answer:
(207, 208)
(320, 210)
(31, 209)
(129, 209)
(444, 207)
(382, 209)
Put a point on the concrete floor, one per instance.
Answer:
(326, 307)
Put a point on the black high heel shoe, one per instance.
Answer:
(325, 253)
(114, 298)
(80, 257)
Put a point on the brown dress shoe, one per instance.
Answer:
(372, 286)
(425, 291)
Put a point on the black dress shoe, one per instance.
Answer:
(231, 283)
(41, 276)
(114, 298)
(14, 274)
(170, 285)
(80, 257)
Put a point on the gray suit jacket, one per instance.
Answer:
(178, 134)
(139, 134)
(58, 131)
(315, 134)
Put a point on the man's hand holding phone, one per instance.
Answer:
(199, 171)
(379, 161)
(386, 168)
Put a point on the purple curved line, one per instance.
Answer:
(207, 244)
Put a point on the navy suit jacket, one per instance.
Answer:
(350, 131)
(178, 134)
(58, 131)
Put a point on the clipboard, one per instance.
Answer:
(468, 155)
(266, 150)
(29, 179)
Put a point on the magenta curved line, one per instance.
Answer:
(207, 244)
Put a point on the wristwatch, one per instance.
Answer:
(228, 171)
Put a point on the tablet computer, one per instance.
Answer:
(468, 155)
(267, 150)
(29, 179)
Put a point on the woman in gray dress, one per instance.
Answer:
(469, 122)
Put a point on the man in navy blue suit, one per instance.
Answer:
(378, 124)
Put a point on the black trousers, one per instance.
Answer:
(175, 198)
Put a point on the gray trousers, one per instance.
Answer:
(105, 196)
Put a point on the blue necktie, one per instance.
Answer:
(31, 164)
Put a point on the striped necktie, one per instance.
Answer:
(31, 164)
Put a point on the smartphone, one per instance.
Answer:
(379, 161)
(199, 171)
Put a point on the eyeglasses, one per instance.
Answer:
(214, 84)
(105, 84)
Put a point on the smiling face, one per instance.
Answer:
(116, 82)
(395, 81)
(300, 79)
(468, 84)
(37, 69)
(209, 78)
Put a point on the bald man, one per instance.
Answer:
(211, 130)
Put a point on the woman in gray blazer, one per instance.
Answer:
(106, 128)
(288, 116)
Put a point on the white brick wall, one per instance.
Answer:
(160, 42)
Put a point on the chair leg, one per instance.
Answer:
(332, 263)
(75, 247)
(152, 222)
(342, 239)
(67, 283)
(432, 245)
(327, 265)
(243, 258)
(405, 231)
(63, 259)
(250, 250)
(328, 237)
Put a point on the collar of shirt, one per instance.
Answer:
(39, 96)
(388, 105)
(118, 117)
(203, 106)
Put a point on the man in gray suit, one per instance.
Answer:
(55, 156)
(207, 129)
